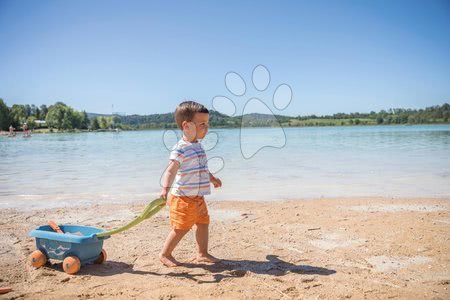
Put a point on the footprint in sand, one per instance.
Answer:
(397, 208)
(335, 240)
(385, 264)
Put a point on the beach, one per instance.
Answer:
(322, 248)
(318, 132)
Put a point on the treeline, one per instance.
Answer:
(57, 116)
(63, 117)
(18, 114)
(152, 121)
(167, 120)
(429, 115)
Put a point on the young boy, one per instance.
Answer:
(189, 174)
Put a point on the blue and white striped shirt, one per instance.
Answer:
(192, 178)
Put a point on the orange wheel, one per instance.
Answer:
(102, 257)
(38, 258)
(71, 264)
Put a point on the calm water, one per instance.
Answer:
(51, 170)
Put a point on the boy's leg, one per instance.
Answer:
(171, 242)
(201, 236)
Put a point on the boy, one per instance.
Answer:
(189, 174)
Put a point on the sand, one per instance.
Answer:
(340, 248)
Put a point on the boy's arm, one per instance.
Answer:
(169, 177)
(215, 181)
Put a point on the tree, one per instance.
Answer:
(61, 116)
(44, 111)
(30, 122)
(115, 120)
(37, 113)
(103, 123)
(94, 124)
(446, 115)
(5, 118)
(18, 115)
(72, 118)
(55, 116)
(388, 119)
(84, 123)
(32, 110)
(28, 110)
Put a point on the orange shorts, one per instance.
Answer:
(185, 211)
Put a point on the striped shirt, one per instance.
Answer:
(192, 178)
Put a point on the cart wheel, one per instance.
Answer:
(71, 264)
(38, 258)
(102, 257)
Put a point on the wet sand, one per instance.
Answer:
(340, 248)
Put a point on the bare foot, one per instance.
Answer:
(207, 258)
(169, 261)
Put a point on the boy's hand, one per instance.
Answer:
(163, 194)
(216, 181)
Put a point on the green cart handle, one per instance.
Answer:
(150, 210)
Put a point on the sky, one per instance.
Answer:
(144, 57)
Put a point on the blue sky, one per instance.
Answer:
(145, 57)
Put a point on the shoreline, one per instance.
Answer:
(47, 131)
(133, 203)
(343, 247)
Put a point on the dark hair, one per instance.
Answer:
(186, 110)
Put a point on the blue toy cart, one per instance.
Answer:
(77, 246)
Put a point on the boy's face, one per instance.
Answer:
(198, 127)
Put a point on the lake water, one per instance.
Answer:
(55, 170)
